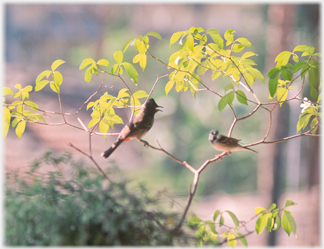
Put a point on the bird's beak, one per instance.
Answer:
(159, 109)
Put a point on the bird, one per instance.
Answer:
(226, 144)
(138, 126)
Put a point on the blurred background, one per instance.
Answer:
(38, 34)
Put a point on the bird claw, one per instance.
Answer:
(146, 144)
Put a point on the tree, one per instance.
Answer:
(201, 52)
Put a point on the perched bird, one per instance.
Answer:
(137, 127)
(227, 144)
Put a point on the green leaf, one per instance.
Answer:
(229, 36)
(6, 123)
(128, 43)
(176, 37)
(46, 73)
(6, 91)
(118, 56)
(277, 223)
(270, 222)
(32, 105)
(20, 128)
(244, 42)
(155, 34)
(85, 63)
(283, 58)
(104, 126)
(312, 124)
(234, 218)
(200, 231)
(229, 87)
(289, 203)
(213, 239)
(215, 75)
(231, 240)
(286, 74)
(103, 62)
(261, 223)
(273, 83)
(131, 71)
(272, 206)
(216, 213)
(169, 86)
(242, 239)
(299, 65)
(226, 99)
(241, 97)
(221, 220)
(288, 223)
(56, 64)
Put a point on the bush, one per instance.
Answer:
(87, 210)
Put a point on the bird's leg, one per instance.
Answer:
(146, 144)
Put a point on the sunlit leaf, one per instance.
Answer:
(129, 42)
(6, 91)
(56, 64)
(103, 62)
(169, 86)
(244, 42)
(229, 36)
(176, 37)
(20, 128)
(288, 223)
(131, 71)
(85, 63)
(140, 94)
(231, 240)
(155, 34)
(118, 56)
(283, 58)
(46, 73)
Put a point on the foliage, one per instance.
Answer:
(85, 210)
(202, 53)
(206, 232)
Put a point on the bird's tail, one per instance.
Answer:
(112, 148)
(251, 150)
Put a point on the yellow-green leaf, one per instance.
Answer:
(41, 84)
(46, 73)
(85, 63)
(118, 56)
(103, 62)
(140, 94)
(131, 71)
(176, 37)
(20, 128)
(56, 64)
(58, 78)
(7, 90)
(155, 34)
(231, 240)
(169, 86)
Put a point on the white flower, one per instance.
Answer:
(306, 103)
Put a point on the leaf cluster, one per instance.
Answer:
(272, 221)
(206, 232)
(201, 51)
(85, 210)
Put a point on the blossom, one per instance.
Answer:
(306, 103)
